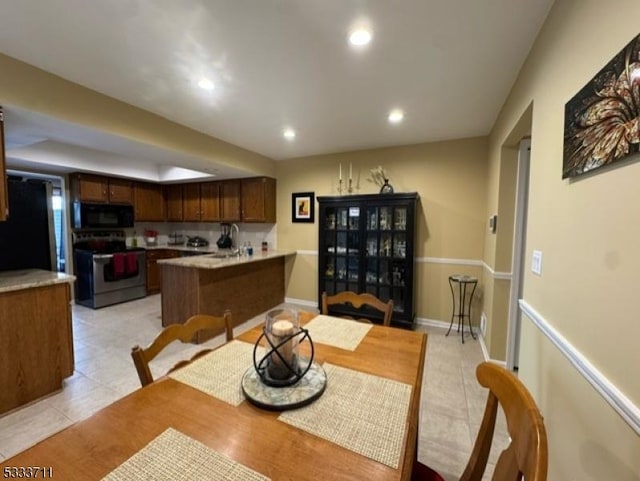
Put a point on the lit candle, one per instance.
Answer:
(340, 171)
(280, 330)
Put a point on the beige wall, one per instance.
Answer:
(588, 233)
(450, 178)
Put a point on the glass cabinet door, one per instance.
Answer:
(366, 245)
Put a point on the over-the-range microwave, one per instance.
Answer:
(109, 216)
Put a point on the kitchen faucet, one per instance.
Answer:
(234, 238)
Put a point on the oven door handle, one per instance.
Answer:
(100, 257)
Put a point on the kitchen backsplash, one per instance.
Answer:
(254, 233)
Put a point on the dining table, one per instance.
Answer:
(345, 440)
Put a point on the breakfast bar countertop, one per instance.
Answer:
(28, 278)
(211, 261)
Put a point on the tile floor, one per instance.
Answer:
(452, 400)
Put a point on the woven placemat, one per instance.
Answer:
(175, 456)
(334, 331)
(220, 372)
(361, 412)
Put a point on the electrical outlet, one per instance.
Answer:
(536, 262)
(483, 324)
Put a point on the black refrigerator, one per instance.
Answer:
(27, 239)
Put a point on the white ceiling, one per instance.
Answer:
(449, 64)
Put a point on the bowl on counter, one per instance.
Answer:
(150, 241)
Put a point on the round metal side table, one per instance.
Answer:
(464, 283)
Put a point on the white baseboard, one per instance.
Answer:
(302, 302)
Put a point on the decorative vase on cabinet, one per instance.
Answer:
(366, 244)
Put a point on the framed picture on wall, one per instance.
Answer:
(302, 207)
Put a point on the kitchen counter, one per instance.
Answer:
(209, 261)
(246, 285)
(28, 278)
(210, 249)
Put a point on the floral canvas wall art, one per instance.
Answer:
(601, 121)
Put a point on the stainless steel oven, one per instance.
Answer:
(106, 271)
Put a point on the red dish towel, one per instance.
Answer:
(132, 263)
(118, 264)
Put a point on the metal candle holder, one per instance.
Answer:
(281, 366)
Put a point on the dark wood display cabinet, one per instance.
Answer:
(366, 244)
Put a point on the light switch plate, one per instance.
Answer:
(536, 262)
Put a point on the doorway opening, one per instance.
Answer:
(518, 255)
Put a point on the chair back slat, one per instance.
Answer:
(358, 301)
(179, 332)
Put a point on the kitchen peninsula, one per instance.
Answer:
(207, 284)
(36, 344)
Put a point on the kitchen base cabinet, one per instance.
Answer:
(366, 244)
(154, 279)
(36, 344)
(247, 289)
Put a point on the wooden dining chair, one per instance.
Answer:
(357, 301)
(179, 332)
(526, 454)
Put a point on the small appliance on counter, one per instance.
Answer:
(175, 239)
(150, 237)
(197, 241)
(225, 241)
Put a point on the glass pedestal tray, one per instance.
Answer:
(304, 392)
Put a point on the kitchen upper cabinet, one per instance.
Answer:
(173, 196)
(259, 199)
(96, 188)
(120, 191)
(210, 201)
(89, 188)
(4, 191)
(191, 202)
(230, 201)
(149, 202)
(201, 202)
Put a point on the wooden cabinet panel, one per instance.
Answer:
(230, 201)
(120, 191)
(154, 279)
(210, 201)
(36, 344)
(149, 202)
(4, 193)
(89, 188)
(191, 202)
(258, 199)
(173, 196)
(100, 189)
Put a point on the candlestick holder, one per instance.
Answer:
(340, 186)
(350, 188)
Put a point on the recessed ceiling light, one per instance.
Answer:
(360, 36)
(206, 84)
(396, 116)
(289, 134)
